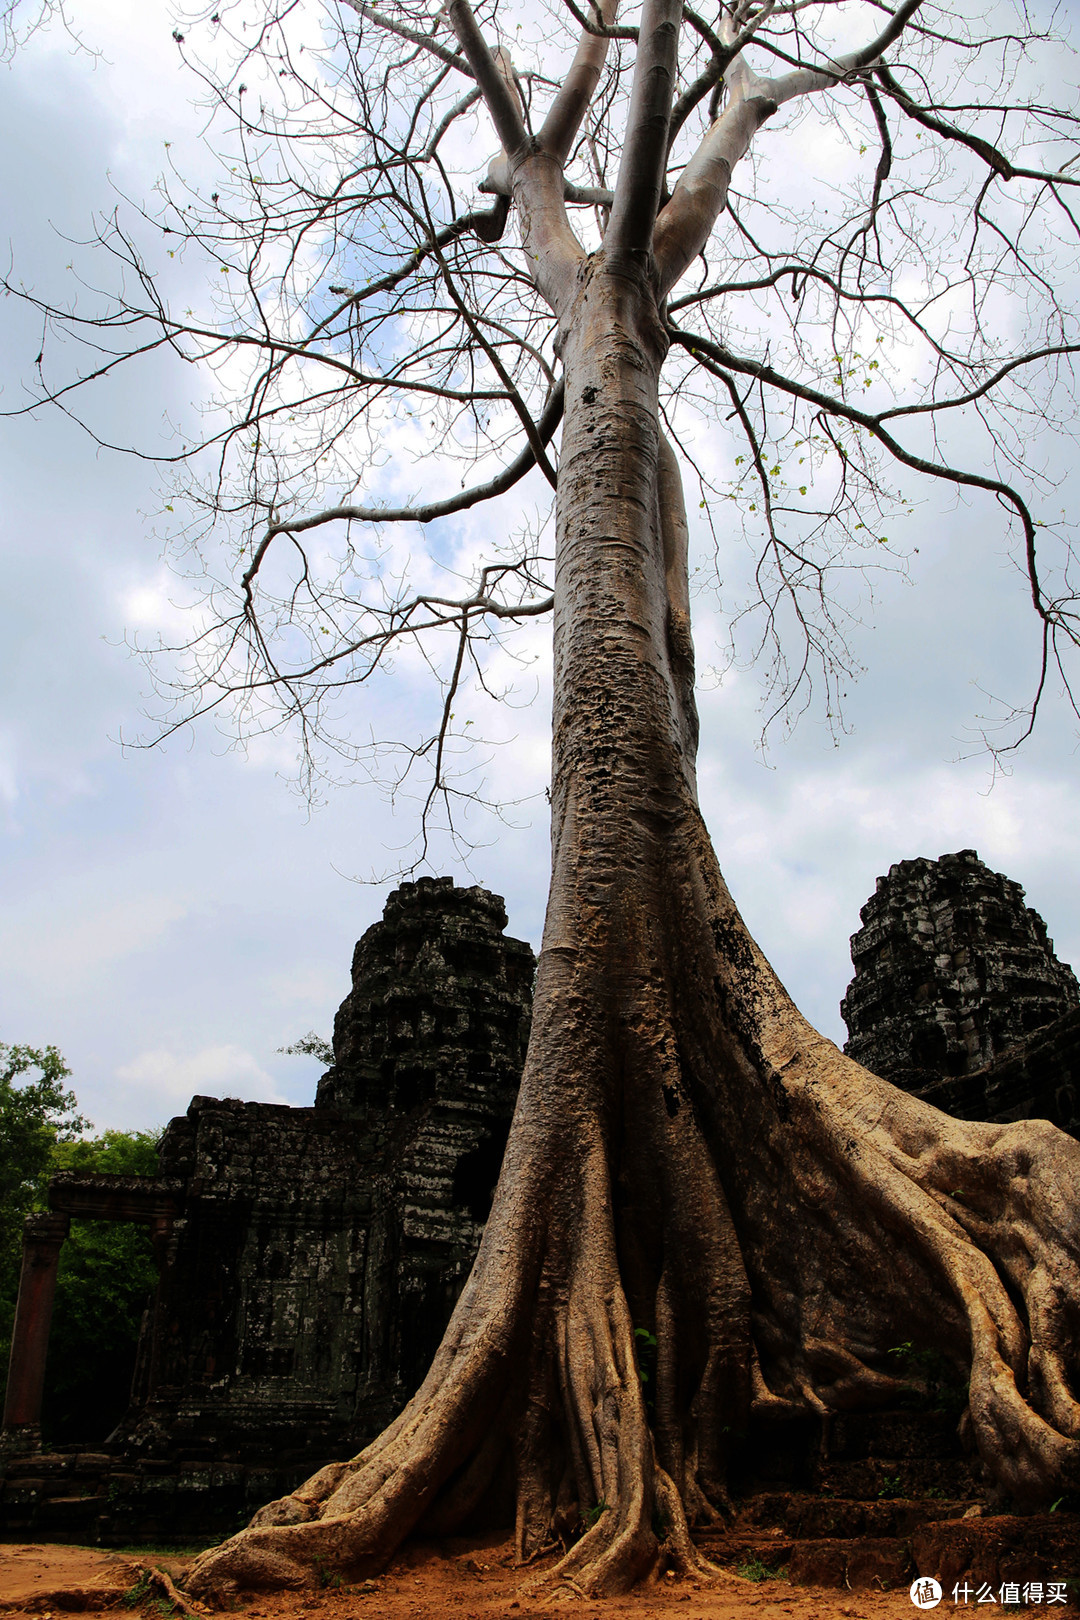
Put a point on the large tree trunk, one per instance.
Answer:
(688, 1156)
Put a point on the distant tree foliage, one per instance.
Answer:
(310, 1045)
(107, 1278)
(107, 1271)
(37, 1113)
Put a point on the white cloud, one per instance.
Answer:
(802, 846)
(309, 987)
(9, 788)
(159, 1082)
(79, 937)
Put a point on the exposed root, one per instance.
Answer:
(972, 1233)
(993, 1210)
(681, 1553)
(163, 1583)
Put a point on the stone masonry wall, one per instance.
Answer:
(952, 970)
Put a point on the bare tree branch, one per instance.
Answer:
(708, 353)
(641, 171)
(454, 59)
(502, 103)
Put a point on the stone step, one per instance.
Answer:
(66, 1512)
(803, 1515)
(977, 1552)
(39, 1465)
(1001, 1547)
(910, 1478)
(901, 1451)
(857, 1562)
(873, 1479)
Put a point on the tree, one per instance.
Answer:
(106, 1268)
(688, 1158)
(311, 1045)
(34, 1116)
(106, 1279)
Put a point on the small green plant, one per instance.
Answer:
(754, 1570)
(326, 1576)
(890, 1485)
(139, 1592)
(311, 1045)
(593, 1514)
(645, 1344)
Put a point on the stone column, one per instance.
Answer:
(43, 1236)
(162, 1235)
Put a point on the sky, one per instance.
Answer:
(169, 918)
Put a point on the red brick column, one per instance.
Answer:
(43, 1236)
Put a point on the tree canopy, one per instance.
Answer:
(107, 1270)
(889, 292)
(37, 1112)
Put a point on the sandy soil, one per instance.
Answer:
(34, 1578)
(462, 1581)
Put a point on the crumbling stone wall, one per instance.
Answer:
(429, 1047)
(959, 996)
(1037, 1079)
(310, 1257)
(951, 970)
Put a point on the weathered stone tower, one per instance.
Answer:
(319, 1251)
(952, 972)
(429, 1046)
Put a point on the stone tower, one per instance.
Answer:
(951, 970)
(440, 1004)
(316, 1254)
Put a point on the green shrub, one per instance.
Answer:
(107, 1272)
(754, 1570)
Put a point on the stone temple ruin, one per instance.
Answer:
(959, 997)
(310, 1258)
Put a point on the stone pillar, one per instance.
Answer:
(161, 1231)
(147, 1378)
(43, 1236)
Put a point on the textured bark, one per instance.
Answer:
(688, 1155)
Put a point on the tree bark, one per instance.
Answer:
(688, 1156)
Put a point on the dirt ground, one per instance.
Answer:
(463, 1581)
